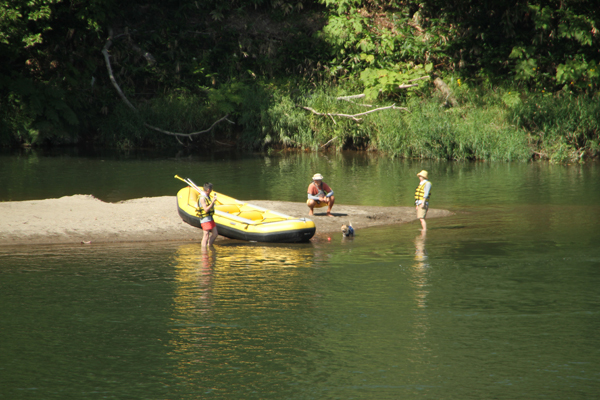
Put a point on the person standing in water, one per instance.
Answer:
(206, 209)
(422, 195)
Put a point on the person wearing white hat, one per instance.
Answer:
(422, 195)
(319, 195)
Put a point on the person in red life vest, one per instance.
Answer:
(206, 210)
(319, 195)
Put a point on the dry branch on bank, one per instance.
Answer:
(445, 90)
(353, 116)
(331, 140)
(354, 96)
(150, 60)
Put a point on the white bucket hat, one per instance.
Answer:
(317, 177)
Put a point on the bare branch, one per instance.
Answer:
(188, 134)
(329, 142)
(223, 144)
(404, 86)
(419, 79)
(445, 90)
(354, 96)
(149, 57)
(354, 116)
(150, 60)
(328, 114)
(112, 77)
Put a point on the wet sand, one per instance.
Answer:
(83, 219)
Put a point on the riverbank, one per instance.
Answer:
(84, 219)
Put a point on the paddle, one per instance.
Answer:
(189, 182)
(193, 185)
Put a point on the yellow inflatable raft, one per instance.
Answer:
(238, 220)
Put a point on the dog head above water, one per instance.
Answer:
(347, 230)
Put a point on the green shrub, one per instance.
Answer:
(564, 127)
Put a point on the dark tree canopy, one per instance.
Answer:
(54, 85)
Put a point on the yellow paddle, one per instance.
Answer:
(189, 182)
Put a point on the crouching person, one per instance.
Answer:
(319, 195)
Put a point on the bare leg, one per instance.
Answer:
(205, 238)
(213, 236)
(311, 206)
(330, 205)
(423, 224)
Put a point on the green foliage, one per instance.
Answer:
(541, 43)
(362, 38)
(16, 20)
(32, 108)
(579, 74)
(385, 81)
(455, 134)
(180, 112)
(260, 61)
(562, 128)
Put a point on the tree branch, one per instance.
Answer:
(189, 134)
(150, 60)
(329, 142)
(354, 96)
(354, 116)
(112, 77)
(404, 86)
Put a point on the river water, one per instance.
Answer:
(500, 301)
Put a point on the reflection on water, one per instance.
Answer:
(420, 270)
(499, 301)
(420, 283)
(232, 309)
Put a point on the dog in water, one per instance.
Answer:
(347, 230)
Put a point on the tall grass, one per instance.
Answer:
(563, 128)
(426, 130)
(430, 131)
(487, 123)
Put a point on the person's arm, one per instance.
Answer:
(206, 207)
(426, 192)
(328, 189)
(311, 194)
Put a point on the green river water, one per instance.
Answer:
(499, 301)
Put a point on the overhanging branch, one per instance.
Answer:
(150, 60)
(188, 134)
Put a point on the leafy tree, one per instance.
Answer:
(537, 42)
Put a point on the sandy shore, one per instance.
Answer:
(85, 219)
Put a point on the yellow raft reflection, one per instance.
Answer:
(238, 220)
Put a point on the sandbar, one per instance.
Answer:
(84, 219)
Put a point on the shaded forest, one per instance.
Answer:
(453, 79)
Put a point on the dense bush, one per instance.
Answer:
(564, 128)
(272, 66)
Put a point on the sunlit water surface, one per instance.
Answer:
(500, 301)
